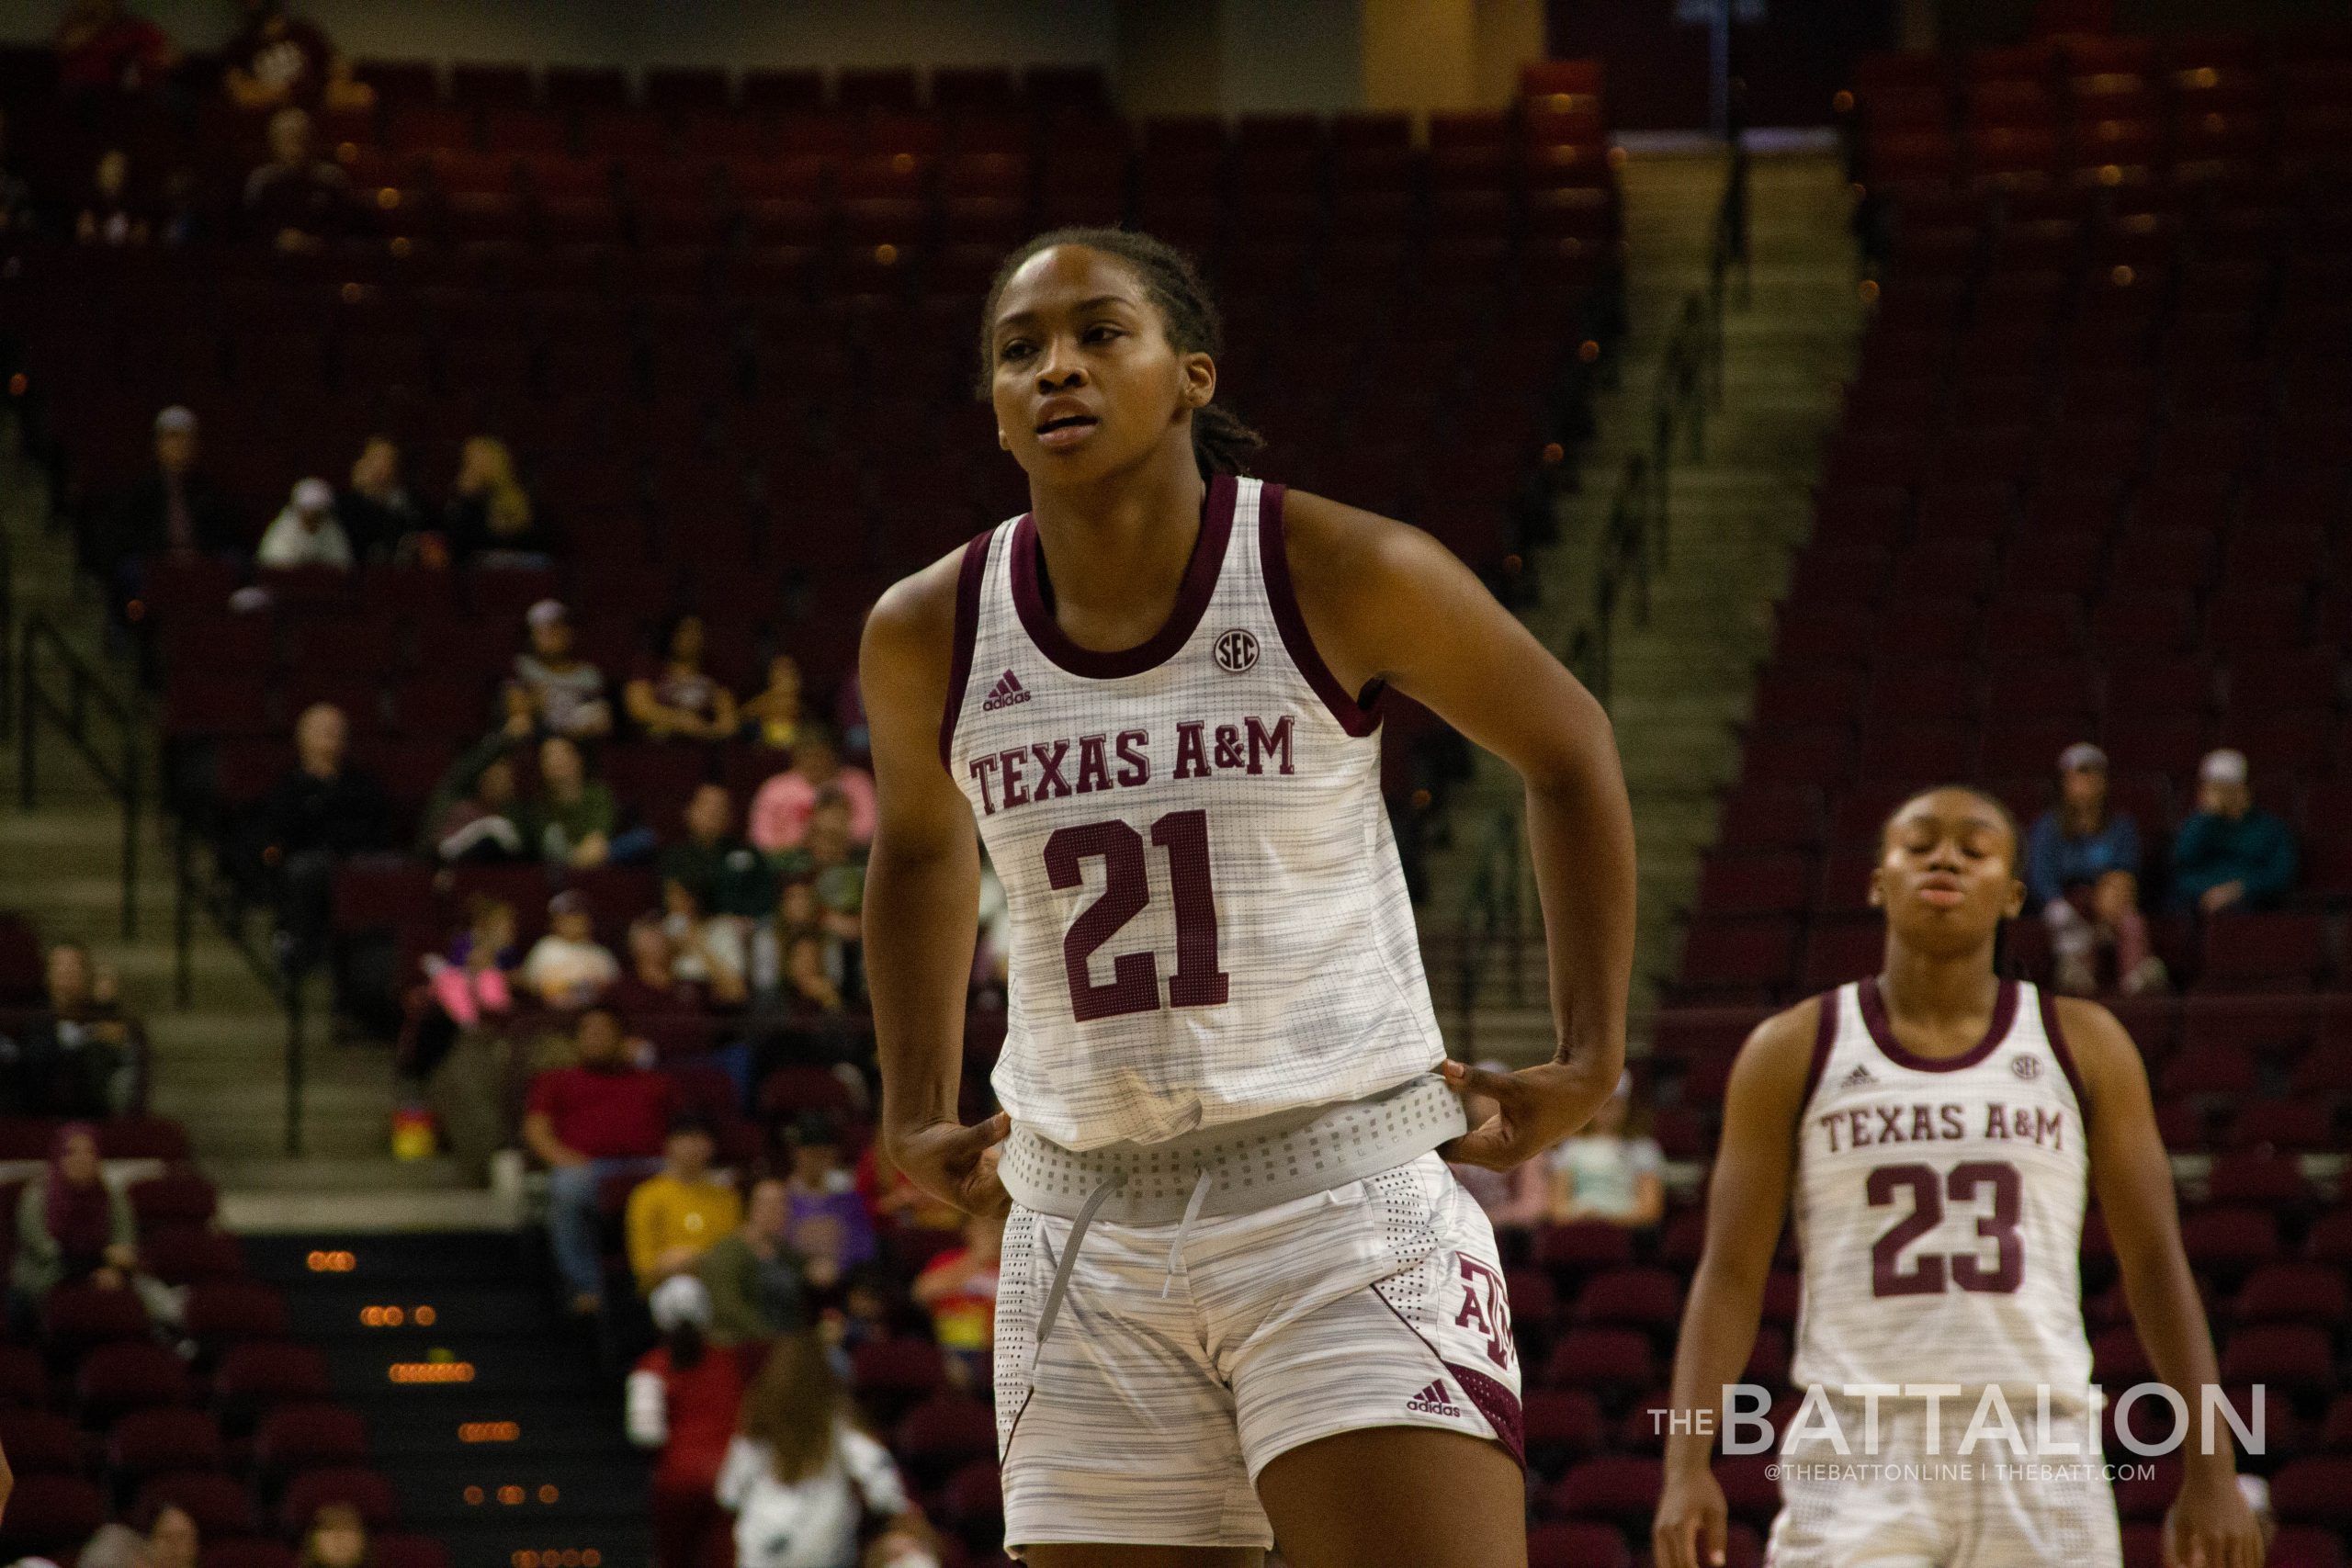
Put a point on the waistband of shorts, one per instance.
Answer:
(1247, 1166)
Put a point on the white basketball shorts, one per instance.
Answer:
(1159, 1395)
(1902, 1507)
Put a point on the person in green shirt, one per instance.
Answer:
(572, 818)
(758, 1285)
(2232, 853)
(725, 874)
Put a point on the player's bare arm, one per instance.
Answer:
(1748, 1195)
(1384, 602)
(2210, 1526)
(922, 885)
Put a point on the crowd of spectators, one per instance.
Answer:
(2089, 872)
(80, 1053)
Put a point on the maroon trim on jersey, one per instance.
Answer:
(1492, 1398)
(2064, 1052)
(1029, 589)
(1824, 1035)
(968, 633)
(1273, 566)
(2005, 1012)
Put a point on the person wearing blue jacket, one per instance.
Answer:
(2231, 854)
(2082, 870)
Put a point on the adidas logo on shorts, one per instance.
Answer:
(1434, 1401)
(1007, 692)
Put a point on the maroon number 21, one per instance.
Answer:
(1134, 986)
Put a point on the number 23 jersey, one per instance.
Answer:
(1938, 1203)
(1209, 918)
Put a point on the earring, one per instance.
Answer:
(1004, 441)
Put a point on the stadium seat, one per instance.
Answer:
(116, 1379)
(255, 1377)
(363, 1489)
(1600, 1359)
(1621, 1488)
(2307, 1292)
(1576, 1544)
(50, 1516)
(1650, 1298)
(39, 1442)
(163, 1439)
(76, 1318)
(221, 1313)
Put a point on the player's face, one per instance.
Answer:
(1946, 876)
(1083, 378)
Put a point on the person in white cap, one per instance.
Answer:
(2082, 870)
(307, 533)
(2232, 853)
(565, 691)
(682, 1399)
(173, 509)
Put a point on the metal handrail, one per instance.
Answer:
(43, 656)
(1634, 539)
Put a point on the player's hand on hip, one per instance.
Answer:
(957, 1164)
(2210, 1526)
(1693, 1521)
(1534, 1108)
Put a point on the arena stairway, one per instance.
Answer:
(1683, 681)
(218, 1063)
(489, 1412)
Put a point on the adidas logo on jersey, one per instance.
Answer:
(1434, 1401)
(1007, 691)
(1855, 1080)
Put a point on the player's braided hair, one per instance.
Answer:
(1222, 442)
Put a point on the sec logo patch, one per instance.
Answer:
(1236, 651)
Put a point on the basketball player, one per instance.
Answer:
(1242, 1297)
(1938, 1129)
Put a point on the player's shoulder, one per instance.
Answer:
(2092, 1036)
(916, 616)
(1318, 531)
(1778, 1057)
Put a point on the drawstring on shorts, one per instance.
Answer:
(1059, 1290)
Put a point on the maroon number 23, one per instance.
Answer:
(1134, 986)
(1928, 1271)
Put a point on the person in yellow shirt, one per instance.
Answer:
(678, 1213)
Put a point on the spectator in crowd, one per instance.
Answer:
(682, 1400)
(708, 950)
(172, 1537)
(462, 986)
(567, 692)
(470, 978)
(758, 1285)
(826, 1216)
(568, 969)
(74, 1225)
(77, 1056)
(474, 815)
(2231, 854)
(277, 59)
(604, 1117)
(306, 533)
(489, 516)
(677, 699)
(649, 986)
(337, 1537)
(321, 811)
(775, 972)
(571, 820)
(108, 216)
(781, 810)
(678, 1213)
(833, 868)
(959, 1289)
(773, 715)
(172, 509)
(296, 201)
(1518, 1198)
(725, 874)
(379, 515)
(102, 47)
(800, 1475)
(1603, 1174)
(2082, 870)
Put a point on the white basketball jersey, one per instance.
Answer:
(1209, 918)
(1940, 1203)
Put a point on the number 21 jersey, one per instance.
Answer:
(1209, 918)
(1938, 1203)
